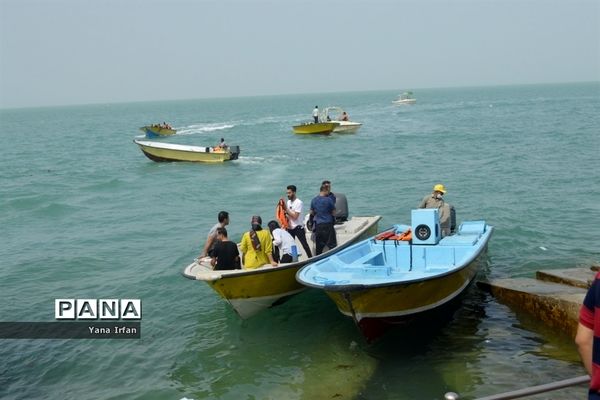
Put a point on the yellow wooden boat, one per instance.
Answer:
(322, 128)
(400, 273)
(157, 130)
(166, 152)
(250, 291)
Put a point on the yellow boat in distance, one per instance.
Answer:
(321, 128)
(250, 291)
(168, 152)
(157, 130)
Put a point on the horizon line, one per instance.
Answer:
(99, 103)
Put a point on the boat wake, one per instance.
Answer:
(267, 160)
(203, 128)
(251, 160)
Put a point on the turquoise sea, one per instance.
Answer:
(83, 214)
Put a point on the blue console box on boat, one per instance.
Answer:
(425, 224)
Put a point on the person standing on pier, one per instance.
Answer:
(588, 337)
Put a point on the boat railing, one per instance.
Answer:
(530, 391)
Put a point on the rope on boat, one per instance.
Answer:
(530, 391)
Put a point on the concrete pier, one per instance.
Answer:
(554, 296)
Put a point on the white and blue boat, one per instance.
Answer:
(402, 272)
(157, 130)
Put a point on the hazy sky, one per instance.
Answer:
(55, 52)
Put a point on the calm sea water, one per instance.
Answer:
(84, 214)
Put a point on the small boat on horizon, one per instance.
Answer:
(405, 98)
(157, 130)
(336, 114)
(322, 128)
(250, 291)
(401, 273)
(168, 152)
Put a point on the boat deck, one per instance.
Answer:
(387, 261)
(345, 232)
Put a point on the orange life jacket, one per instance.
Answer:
(391, 235)
(281, 215)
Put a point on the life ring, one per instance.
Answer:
(422, 232)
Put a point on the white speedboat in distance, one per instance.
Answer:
(405, 98)
(336, 114)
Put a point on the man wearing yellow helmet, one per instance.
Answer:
(436, 200)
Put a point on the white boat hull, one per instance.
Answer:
(347, 127)
(405, 101)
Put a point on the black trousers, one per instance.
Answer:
(324, 236)
(299, 232)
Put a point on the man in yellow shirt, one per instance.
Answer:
(257, 246)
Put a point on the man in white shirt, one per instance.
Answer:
(283, 241)
(296, 218)
(316, 114)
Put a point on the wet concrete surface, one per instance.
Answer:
(555, 297)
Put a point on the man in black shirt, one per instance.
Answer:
(225, 254)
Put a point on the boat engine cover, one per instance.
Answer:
(341, 208)
(235, 152)
(425, 225)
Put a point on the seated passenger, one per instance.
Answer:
(222, 145)
(257, 246)
(282, 241)
(225, 254)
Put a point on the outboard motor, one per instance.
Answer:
(452, 220)
(235, 152)
(341, 208)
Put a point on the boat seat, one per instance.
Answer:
(472, 227)
(460, 240)
(372, 258)
(352, 226)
